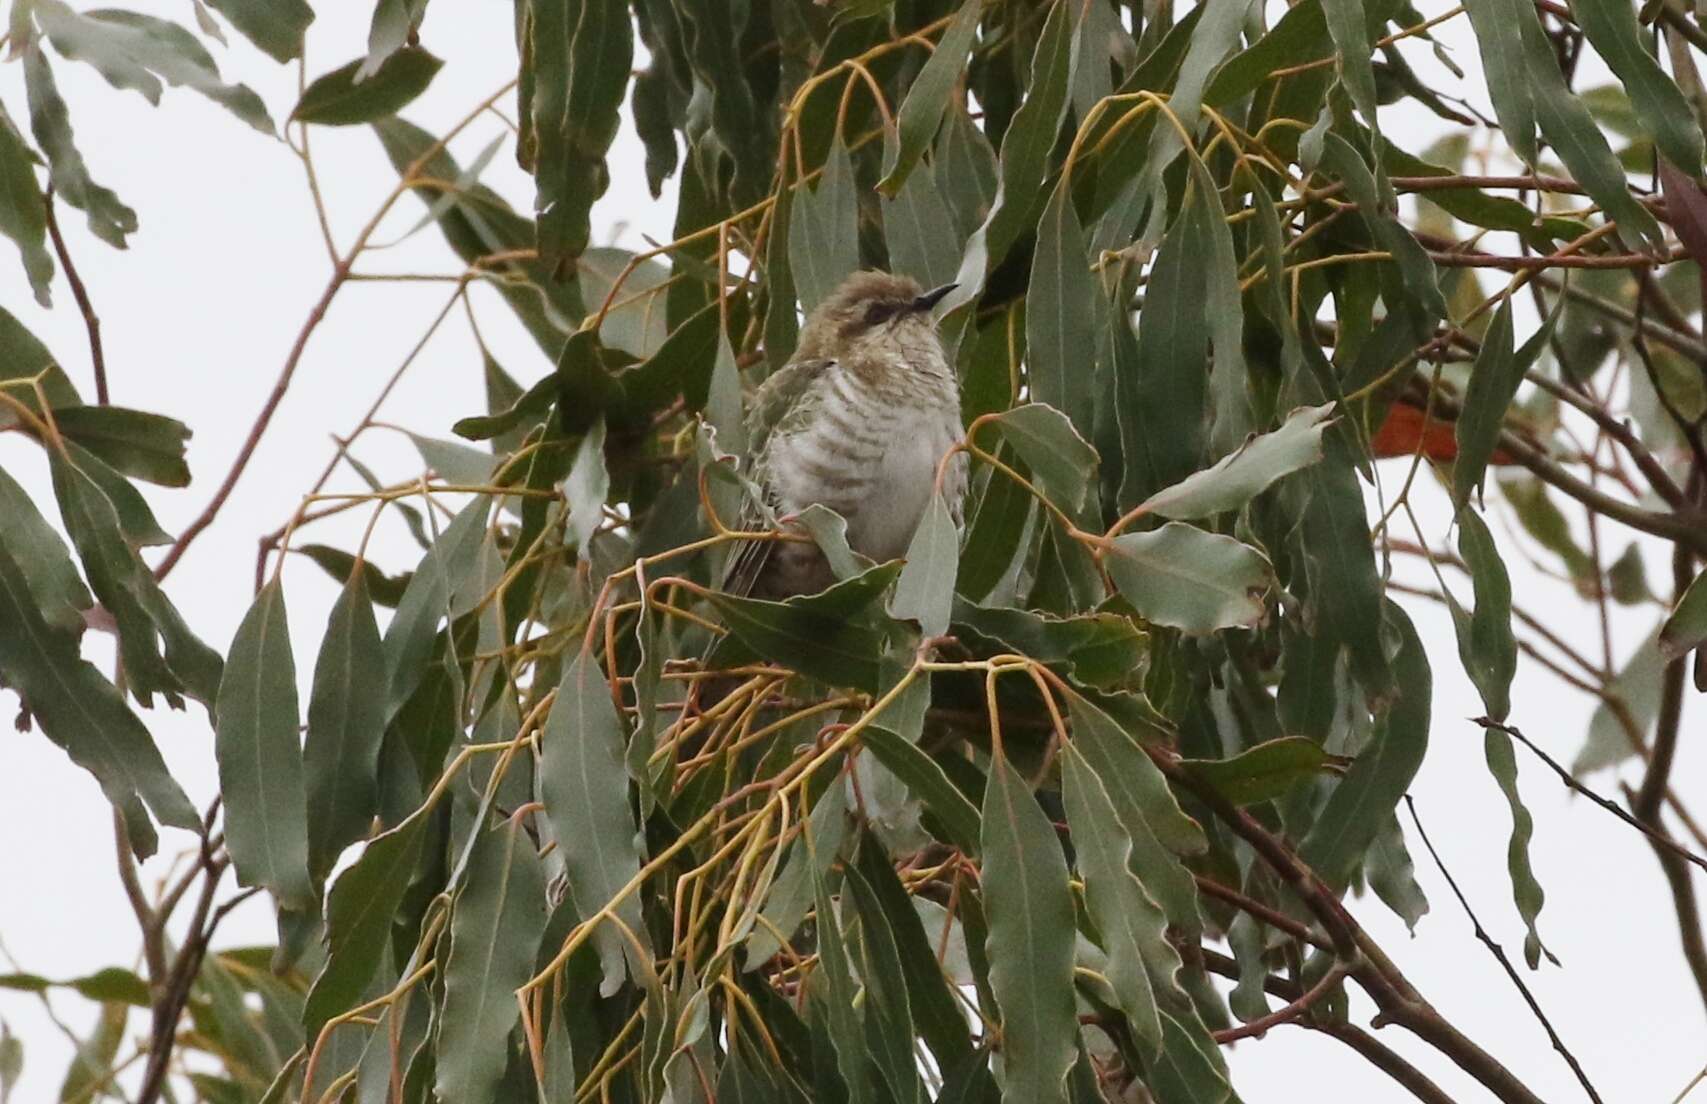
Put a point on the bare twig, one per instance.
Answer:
(1499, 953)
(1260, 1027)
(80, 293)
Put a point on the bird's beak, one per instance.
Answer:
(931, 298)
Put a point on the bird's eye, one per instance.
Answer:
(879, 312)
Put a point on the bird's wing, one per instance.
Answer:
(782, 401)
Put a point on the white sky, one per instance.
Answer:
(197, 318)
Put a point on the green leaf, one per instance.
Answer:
(11, 1061)
(1393, 877)
(1133, 927)
(925, 778)
(1059, 318)
(925, 590)
(929, 96)
(1499, 38)
(1663, 110)
(78, 709)
(58, 591)
(581, 54)
(1186, 578)
(426, 601)
(1063, 466)
(276, 26)
(383, 590)
(1685, 627)
(587, 486)
(132, 50)
(1099, 648)
(585, 789)
(50, 122)
(1382, 772)
(1345, 589)
(346, 721)
(1269, 770)
(1349, 28)
(1241, 476)
(823, 229)
(1024, 161)
(495, 931)
(887, 1013)
(636, 322)
(260, 758)
(125, 585)
(23, 215)
(339, 99)
(1502, 764)
(1160, 384)
(842, 1019)
(1576, 138)
(1191, 1067)
(132, 442)
(1485, 641)
(1030, 944)
(393, 22)
(815, 634)
(920, 230)
(23, 357)
(1493, 384)
(359, 914)
(112, 984)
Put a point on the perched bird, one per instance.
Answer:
(857, 421)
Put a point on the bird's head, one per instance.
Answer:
(873, 313)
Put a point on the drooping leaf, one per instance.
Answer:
(823, 230)
(346, 721)
(1026, 146)
(1059, 319)
(924, 592)
(359, 914)
(1664, 111)
(1030, 943)
(1493, 384)
(1393, 876)
(581, 54)
(1264, 772)
(1502, 764)
(495, 930)
(394, 21)
(1241, 476)
(1133, 927)
(426, 601)
(1189, 579)
(887, 1012)
(50, 122)
(260, 758)
(276, 26)
(928, 98)
(584, 785)
(841, 1019)
(40, 553)
(97, 1054)
(792, 892)
(1160, 383)
(927, 780)
(77, 708)
(1499, 37)
(1379, 777)
(133, 50)
(1627, 714)
(22, 215)
(339, 99)
(1485, 641)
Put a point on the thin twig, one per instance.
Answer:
(1259, 1027)
(1565, 776)
(78, 292)
(1499, 953)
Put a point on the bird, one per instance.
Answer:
(858, 421)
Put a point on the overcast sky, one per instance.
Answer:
(198, 316)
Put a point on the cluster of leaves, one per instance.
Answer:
(959, 829)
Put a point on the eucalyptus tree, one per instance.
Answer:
(996, 821)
